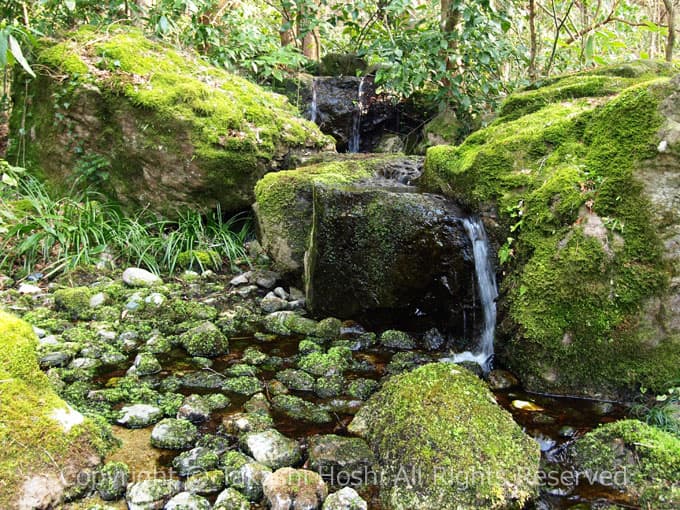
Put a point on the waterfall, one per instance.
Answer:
(355, 133)
(487, 293)
(313, 113)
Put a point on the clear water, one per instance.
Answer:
(355, 133)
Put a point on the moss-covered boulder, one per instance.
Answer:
(634, 457)
(441, 441)
(362, 236)
(44, 444)
(583, 175)
(150, 125)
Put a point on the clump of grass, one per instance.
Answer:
(41, 233)
(663, 411)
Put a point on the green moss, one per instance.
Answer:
(74, 301)
(586, 255)
(647, 460)
(443, 419)
(334, 362)
(299, 409)
(31, 441)
(196, 259)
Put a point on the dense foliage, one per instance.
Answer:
(471, 52)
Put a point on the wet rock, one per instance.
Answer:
(84, 364)
(54, 359)
(244, 474)
(112, 481)
(271, 303)
(308, 346)
(151, 494)
(394, 339)
(300, 409)
(331, 455)
(214, 443)
(174, 434)
(205, 340)
(138, 277)
(296, 380)
(603, 408)
(187, 501)
(502, 380)
(342, 405)
(246, 385)
(272, 448)
(139, 416)
(257, 404)
(253, 356)
(194, 408)
(231, 499)
(334, 362)
(524, 405)
(433, 340)
(404, 361)
(203, 380)
(294, 489)
(276, 388)
(207, 482)
(362, 388)
(197, 460)
(345, 499)
(332, 386)
(266, 279)
(329, 328)
(241, 369)
(238, 424)
(146, 364)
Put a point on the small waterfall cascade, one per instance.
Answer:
(314, 109)
(355, 133)
(487, 294)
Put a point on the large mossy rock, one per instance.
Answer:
(360, 238)
(150, 125)
(633, 457)
(584, 174)
(441, 441)
(45, 446)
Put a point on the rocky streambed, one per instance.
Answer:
(224, 394)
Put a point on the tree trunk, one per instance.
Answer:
(532, 41)
(449, 19)
(670, 41)
(310, 45)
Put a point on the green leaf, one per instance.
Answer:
(15, 50)
(4, 41)
(9, 180)
(163, 25)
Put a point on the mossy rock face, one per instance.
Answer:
(633, 457)
(149, 125)
(443, 420)
(44, 444)
(583, 175)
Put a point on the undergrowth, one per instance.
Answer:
(39, 232)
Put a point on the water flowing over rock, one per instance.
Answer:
(362, 234)
(149, 126)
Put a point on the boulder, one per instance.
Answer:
(138, 277)
(151, 494)
(231, 499)
(174, 434)
(583, 174)
(138, 416)
(244, 474)
(361, 235)
(443, 420)
(112, 481)
(49, 446)
(340, 458)
(187, 501)
(150, 126)
(272, 448)
(204, 340)
(345, 499)
(294, 489)
(633, 457)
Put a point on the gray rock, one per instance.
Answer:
(433, 340)
(501, 380)
(138, 277)
(194, 461)
(112, 481)
(205, 340)
(237, 424)
(266, 279)
(280, 292)
(345, 499)
(294, 489)
(271, 303)
(246, 385)
(174, 434)
(139, 416)
(206, 482)
(28, 289)
(244, 474)
(194, 408)
(272, 448)
(296, 380)
(146, 364)
(97, 300)
(300, 409)
(231, 499)
(187, 501)
(330, 455)
(84, 363)
(151, 494)
(242, 279)
(54, 359)
(394, 339)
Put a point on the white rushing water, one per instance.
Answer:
(488, 292)
(355, 133)
(313, 114)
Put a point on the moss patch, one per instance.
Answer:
(584, 256)
(31, 441)
(443, 421)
